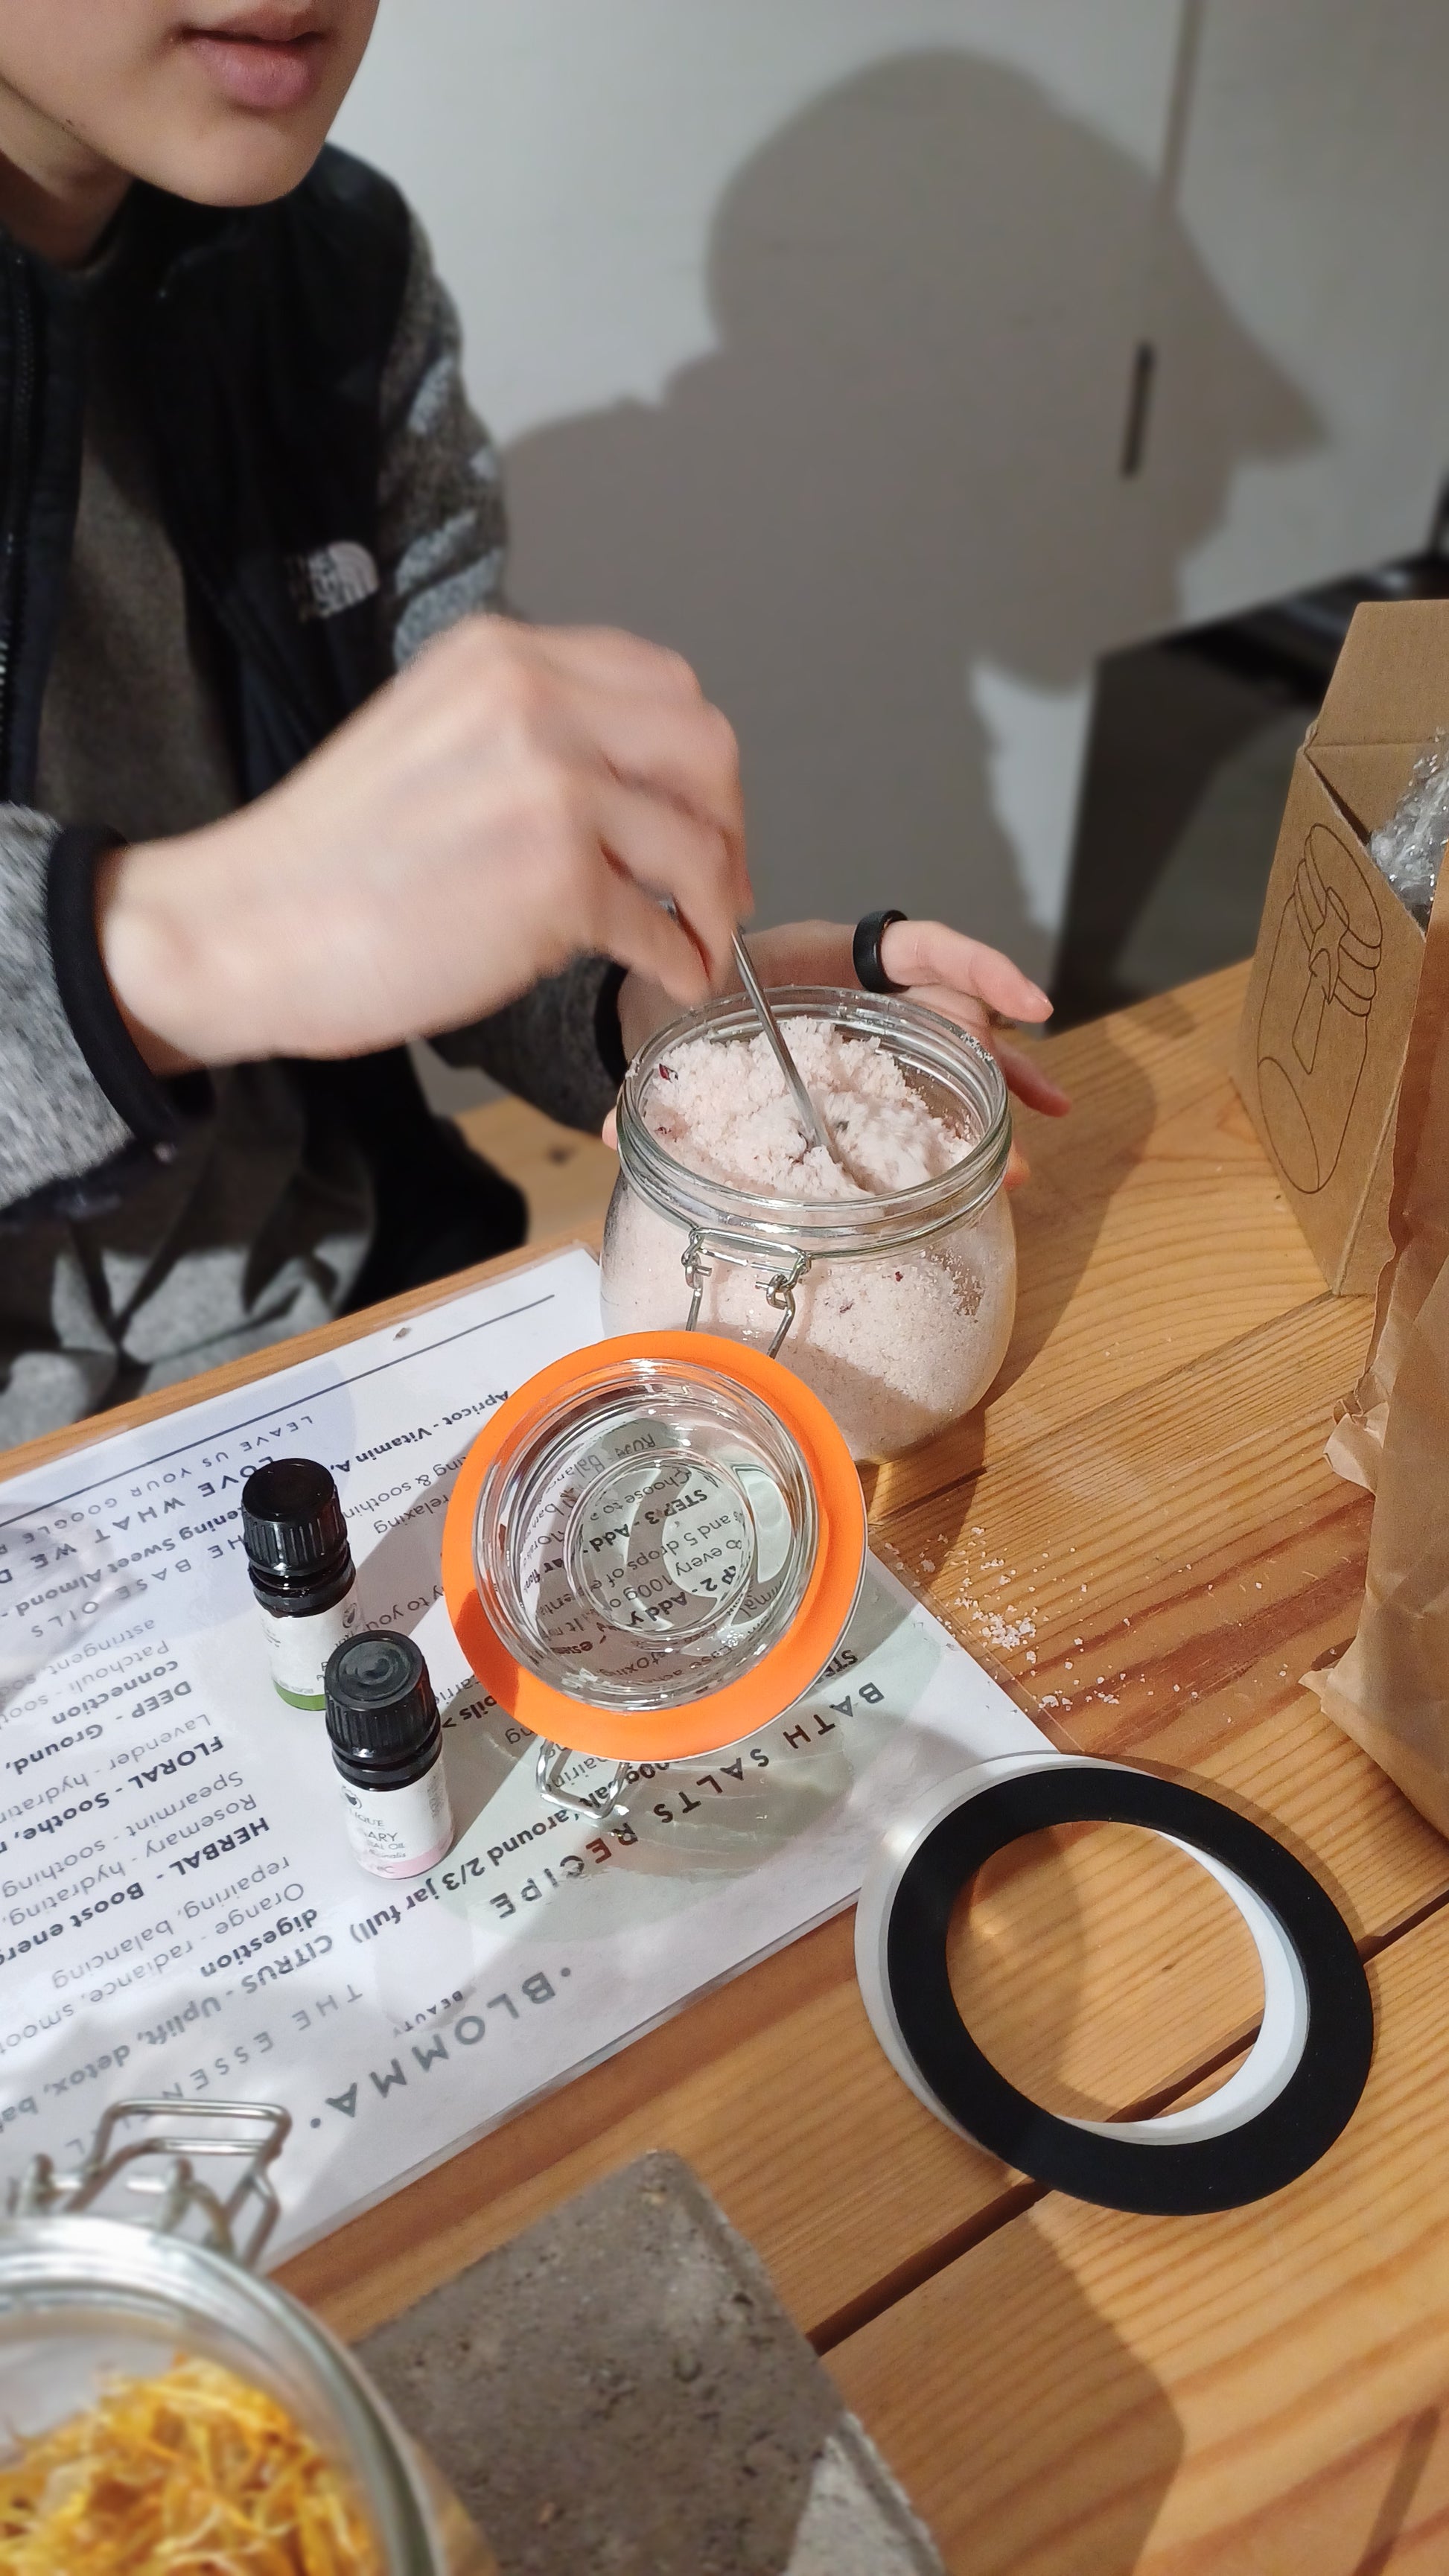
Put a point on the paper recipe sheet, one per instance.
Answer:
(180, 1913)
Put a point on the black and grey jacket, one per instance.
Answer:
(298, 497)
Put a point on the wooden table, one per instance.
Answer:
(1141, 1534)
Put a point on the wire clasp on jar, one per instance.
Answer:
(597, 1804)
(237, 2223)
(779, 1291)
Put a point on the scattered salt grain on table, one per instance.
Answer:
(896, 1343)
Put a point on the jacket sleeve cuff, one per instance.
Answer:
(151, 1109)
(608, 1036)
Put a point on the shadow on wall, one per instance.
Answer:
(902, 462)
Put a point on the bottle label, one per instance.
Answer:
(298, 1648)
(396, 1833)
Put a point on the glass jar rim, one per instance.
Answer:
(548, 1443)
(748, 1221)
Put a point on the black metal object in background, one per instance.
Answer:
(1187, 769)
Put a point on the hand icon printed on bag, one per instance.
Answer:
(1326, 961)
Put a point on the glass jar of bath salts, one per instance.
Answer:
(890, 1288)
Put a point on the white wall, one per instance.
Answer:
(1316, 182)
(807, 325)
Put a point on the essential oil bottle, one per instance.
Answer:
(387, 1743)
(301, 1570)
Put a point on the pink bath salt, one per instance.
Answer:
(723, 1111)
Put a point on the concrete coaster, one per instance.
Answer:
(620, 2389)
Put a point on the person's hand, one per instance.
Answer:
(517, 796)
(959, 977)
(941, 968)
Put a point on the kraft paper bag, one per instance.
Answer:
(1391, 1690)
(1418, 1210)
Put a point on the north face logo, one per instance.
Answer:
(334, 578)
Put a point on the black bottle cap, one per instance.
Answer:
(291, 1518)
(379, 1698)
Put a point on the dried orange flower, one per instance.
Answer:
(189, 2474)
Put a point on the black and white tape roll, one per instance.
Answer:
(1272, 2118)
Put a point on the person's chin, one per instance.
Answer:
(240, 127)
(242, 160)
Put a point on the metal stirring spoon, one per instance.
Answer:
(812, 1117)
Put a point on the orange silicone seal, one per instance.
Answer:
(784, 1671)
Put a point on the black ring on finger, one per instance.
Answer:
(865, 952)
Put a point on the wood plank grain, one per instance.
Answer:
(779, 2080)
(1137, 1559)
(1263, 2389)
(1152, 1230)
(775, 2090)
(758, 2087)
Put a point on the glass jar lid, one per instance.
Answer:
(653, 1546)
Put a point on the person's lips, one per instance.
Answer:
(265, 59)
